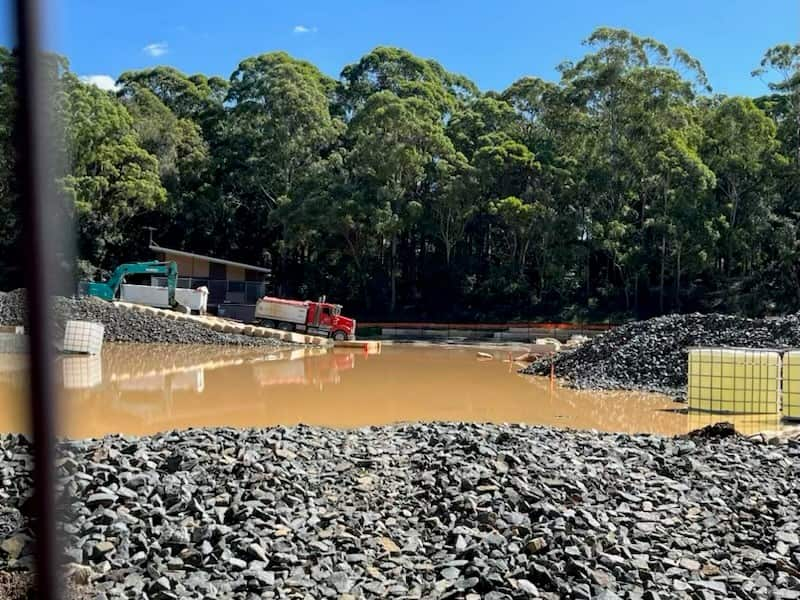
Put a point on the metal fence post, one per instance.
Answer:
(40, 237)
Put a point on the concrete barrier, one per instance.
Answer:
(505, 336)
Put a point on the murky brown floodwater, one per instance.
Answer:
(142, 389)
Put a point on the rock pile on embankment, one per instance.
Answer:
(125, 325)
(652, 355)
(12, 308)
(424, 511)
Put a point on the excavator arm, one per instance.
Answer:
(107, 290)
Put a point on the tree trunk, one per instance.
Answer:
(588, 275)
(734, 195)
(393, 274)
(663, 273)
(626, 288)
(663, 276)
(678, 277)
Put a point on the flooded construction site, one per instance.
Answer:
(143, 389)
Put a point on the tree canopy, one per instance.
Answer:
(625, 188)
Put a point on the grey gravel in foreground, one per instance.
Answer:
(423, 511)
(125, 325)
(652, 355)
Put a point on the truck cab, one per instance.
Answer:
(328, 317)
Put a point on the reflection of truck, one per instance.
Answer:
(311, 370)
(318, 318)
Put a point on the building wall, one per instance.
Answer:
(251, 275)
(184, 264)
(217, 271)
(199, 267)
(235, 273)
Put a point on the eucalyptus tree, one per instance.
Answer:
(111, 178)
(396, 145)
(635, 94)
(278, 126)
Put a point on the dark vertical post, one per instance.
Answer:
(39, 236)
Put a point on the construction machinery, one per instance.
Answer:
(318, 318)
(107, 290)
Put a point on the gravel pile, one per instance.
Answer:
(423, 511)
(652, 355)
(12, 308)
(125, 325)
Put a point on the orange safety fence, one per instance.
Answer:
(490, 326)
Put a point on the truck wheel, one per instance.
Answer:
(285, 326)
(340, 336)
(268, 324)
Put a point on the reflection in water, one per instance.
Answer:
(141, 389)
(81, 372)
(14, 414)
(318, 372)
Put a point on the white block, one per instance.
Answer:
(83, 337)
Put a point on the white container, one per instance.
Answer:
(734, 380)
(148, 295)
(791, 385)
(82, 372)
(83, 337)
(278, 310)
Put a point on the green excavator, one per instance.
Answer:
(107, 290)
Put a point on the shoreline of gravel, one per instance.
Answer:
(652, 355)
(125, 325)
(443, 510)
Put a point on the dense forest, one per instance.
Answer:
(400, 189)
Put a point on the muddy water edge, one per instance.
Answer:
(143, 389)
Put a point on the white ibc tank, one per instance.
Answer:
(83, 337)
(791, 384)
(732, 380)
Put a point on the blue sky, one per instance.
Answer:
(493, 42)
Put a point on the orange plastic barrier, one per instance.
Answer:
(492, 326)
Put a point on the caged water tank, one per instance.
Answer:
(734, 380)
(791, 384)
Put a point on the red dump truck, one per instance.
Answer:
(317, 318)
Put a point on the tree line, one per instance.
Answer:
(626, 188)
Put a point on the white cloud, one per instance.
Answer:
(304, 29)
(157, 49)
(104, 82)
